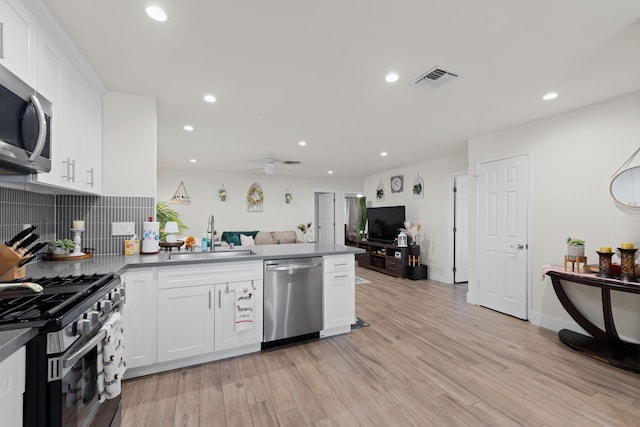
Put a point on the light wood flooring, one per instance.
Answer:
(428, 359)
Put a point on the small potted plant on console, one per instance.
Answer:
(575, 247)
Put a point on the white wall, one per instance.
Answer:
(232, 215)
(572, 158)
(128, 145)
(432, 211)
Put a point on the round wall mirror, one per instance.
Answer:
(625, 188)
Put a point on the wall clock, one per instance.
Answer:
(396, 183)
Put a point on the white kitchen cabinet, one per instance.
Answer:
(92, 139)
(12, 386)
(35, 49)
(185, 322)
(140, 317)
(194, 308)
(70, 149)
(49, 83)
(227, 334)
(18, 33)
(339, 298)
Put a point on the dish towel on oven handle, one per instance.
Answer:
(244, 309)
(111, 364)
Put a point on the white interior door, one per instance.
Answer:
(502, 235)
(326, 221)
(461, 229)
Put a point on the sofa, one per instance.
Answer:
(259, 237)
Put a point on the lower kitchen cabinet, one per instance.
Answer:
(186, 327)
(228, 333)
(339, 298)
(140, 316)
(12, 386)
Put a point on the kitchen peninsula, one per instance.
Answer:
(181, 308)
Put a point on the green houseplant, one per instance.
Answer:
(361, 217)
(575, 247)
(164, 214)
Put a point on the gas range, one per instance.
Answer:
(62, 300)
(69, 314)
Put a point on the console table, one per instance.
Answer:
(604, 345)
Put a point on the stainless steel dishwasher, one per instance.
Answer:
(292, 298)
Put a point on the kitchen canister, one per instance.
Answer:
(150, 237)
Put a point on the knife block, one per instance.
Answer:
(8, 260)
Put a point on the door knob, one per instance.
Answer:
(519, 246)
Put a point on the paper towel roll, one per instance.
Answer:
(150, 237)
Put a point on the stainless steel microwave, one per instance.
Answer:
(25, 127)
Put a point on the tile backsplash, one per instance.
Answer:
(18, 207)
(53, 214)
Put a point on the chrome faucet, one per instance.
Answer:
(210, 231)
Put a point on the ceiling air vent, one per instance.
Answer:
(434, 77)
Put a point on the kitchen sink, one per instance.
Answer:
(186, 256)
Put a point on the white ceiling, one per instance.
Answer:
(291, 70)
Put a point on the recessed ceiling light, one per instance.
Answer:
(302, 143)
(188, 128)
(549, 96)
(156, 13)
(391, 78)
(330, 172)
(210, 98)
(192, 160)
(383, 154)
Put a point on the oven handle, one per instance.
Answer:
(71, 360)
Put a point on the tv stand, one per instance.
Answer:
(384, 258)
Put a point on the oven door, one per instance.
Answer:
(78, 404)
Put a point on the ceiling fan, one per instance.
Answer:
(270, 166)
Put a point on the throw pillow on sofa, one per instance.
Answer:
(246, 240)
(234, 236)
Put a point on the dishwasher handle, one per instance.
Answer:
(288, 267)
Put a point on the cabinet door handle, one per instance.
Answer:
(209, 299)
(340, 263)
(219, 298)
(65, 163)
(1, 40)
(90, 172)
(343, 276)
(73, 170)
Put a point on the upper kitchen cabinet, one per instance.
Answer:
(18, 33)
(61, 75)
(92, 140)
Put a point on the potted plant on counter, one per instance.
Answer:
(575, 247)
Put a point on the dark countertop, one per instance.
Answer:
(119, 263)
(12, 340)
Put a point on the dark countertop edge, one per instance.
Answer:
(11, 340)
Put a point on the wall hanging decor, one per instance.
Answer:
(380, 192)
(222, 193)
(255, 198)
(181, 197)
(288, 197)
(397, 183)
(418, 187)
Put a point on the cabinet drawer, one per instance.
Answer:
(364, 259)
(12, 372)
(338, 263)
(207, 274)
(393, 265)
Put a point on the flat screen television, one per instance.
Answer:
(384, 222)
